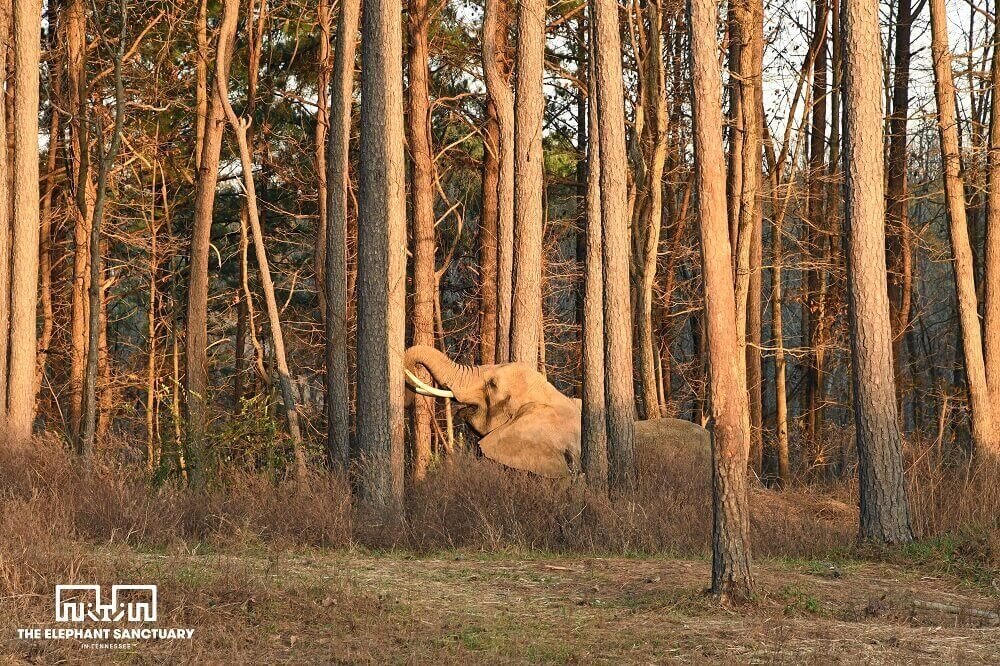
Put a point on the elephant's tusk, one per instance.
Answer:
(423, 389)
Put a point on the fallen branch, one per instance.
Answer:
(989, 616)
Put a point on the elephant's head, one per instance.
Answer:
(524, 421)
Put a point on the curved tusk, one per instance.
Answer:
(423, 389)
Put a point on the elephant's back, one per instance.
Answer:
(672, 434)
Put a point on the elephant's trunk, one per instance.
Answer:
(445, 371)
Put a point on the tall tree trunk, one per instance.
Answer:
(6, 195)
(422, 191)
(812, 314)
(24, 278)
(731, 578)
(319, 144)
(382, 256)
(196, 389)
(985, 438)
(651, 214)
(526, 326)
(227, 40)
(201, 85)
(488, 219)
(45, 239)
(594, 449)
(898, 213)
(884, 511)
(338, 397)
(747, 43)
(76, 74)
(498, 90)
(106, 157)
(992, 296)
(619, 389)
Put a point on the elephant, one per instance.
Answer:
(524, 421)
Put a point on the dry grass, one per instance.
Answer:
(221, 558)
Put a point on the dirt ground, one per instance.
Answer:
(336, 607)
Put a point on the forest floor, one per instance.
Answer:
(320, 606)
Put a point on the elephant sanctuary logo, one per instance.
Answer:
(89, 607)
(137, 602)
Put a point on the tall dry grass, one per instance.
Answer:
(47, 494)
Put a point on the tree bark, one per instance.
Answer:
(488, 246)
(884, 510)
(594, 445)
(106, 157)
(24, 278)
(619, 389)
(324, 64)
(529, 107)
(898, 213)
(992, 260)
(85, 193)
(498, 92)
(338, 397)
(651, 212)
(984, 436)
(227, 40)
(381, 257)
(422, 193)
(731, 578)
(812, 310)
(6, 196)
(196, 388)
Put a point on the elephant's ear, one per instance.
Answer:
(539, 440)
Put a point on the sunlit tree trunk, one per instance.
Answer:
(529, 107)
(489, 216)
(992, 296)
(196, 388)
(495, 71)
(381, 256)
(812, 307)
(884, 510)
(338, 396)
(24, 278)
(594, 450)
(619, 389)
(747, 45)
(76, 74)
(106, 156)
(731, 578)
(6, 17)
(324, 64)
(422, 193)
(897, 214)
(985, 438)
(651, 213)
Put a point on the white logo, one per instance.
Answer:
(77, 603)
